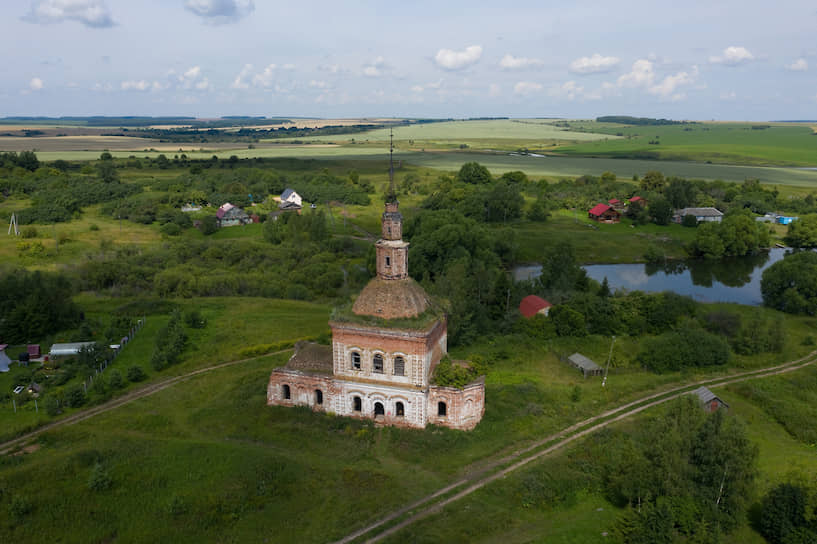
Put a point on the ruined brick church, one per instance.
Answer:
(383, 355)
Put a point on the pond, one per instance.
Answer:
(735, 279)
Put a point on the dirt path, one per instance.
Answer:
(131, 396)
(435, 502)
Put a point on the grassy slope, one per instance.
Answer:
(208, 460)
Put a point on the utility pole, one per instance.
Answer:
(610, 356)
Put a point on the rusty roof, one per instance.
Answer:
(391, 299)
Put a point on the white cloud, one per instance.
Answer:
(527, 87)
(448, 59)
(509, 62)
(140, 85)
(35, 84)
(800, 65)
(265, 77)
(376, 68)
(220, 12)
(595, 64)
(494, 90)
(733, 56)
(91, 13)
(428, 86)
(240, 80)
(570, 90)
(192, 79)
(642, 75)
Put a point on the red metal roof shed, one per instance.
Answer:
(599, 209)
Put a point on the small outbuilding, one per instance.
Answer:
(709, 400)
(532, 305)
(785, 219)
(588, 367)
(604, 213)
(637, 200)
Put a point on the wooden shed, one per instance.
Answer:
(604, 213)
(709, 400)
(588, 367)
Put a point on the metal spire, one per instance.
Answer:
(392, 194)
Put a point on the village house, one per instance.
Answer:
(290, 200)
(532, 305)
(384, 351)
(616, 204)
(604, 213)
(637, 200)
(5, 361)
(230, 216)
(700, 214)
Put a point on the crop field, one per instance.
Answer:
(497, 130)
(785, 144)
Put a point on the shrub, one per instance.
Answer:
(689, 221)
(29, 232)
(171, 229)
(52, 406)
(136, 374)
(75, 396)
(115, 379)
(99, 480)
(94, 227)
(685, 348)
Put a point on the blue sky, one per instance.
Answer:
(741, 60)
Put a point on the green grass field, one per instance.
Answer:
(735, 143)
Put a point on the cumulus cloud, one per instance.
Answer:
(642, 75)
(265, 78)
(219, 12)
(595, 64)
(35, 84)
(800, 65)
(240, 81)
(570, 90)
(509, 62)
(527, 87)
(376, 68)
(140, 85)
(428, 86)
(733, 56)
(449, 59)
(192, 79)
(91, 13)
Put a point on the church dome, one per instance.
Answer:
(391, 299)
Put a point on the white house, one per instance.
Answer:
(4, 359)
(701, 214)
(290, 200)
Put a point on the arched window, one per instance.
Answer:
(378, 409)
(441, 409)
(318, 396)
(287, 393)
(399, 409)
(378, 363)
(356, 360)
(358, 404)
(399, 366)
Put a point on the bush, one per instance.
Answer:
(195, 320)
(99, 480)
(29, 232)
(209, 225)
(689, 221)
(52, 406)
(115, 379)
(685, 348)
(171, 229)
(136, 374)
(75, 396)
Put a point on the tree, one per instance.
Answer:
(787, 510)
(680, 192)
(474, 173)
(661, 211)
(653, 181)
(567, 321)
(790, 285)
(209, 224)
(802, 232)
(136, 374)
(503, 202)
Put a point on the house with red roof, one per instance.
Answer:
(637, 199)
(604, 213)
(616, 204)
(532, 305)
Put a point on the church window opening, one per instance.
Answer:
(388, 261)
(399, 409)
(287, 393)
(318, 396)
(378, 363)
(442, 409)
(399, 366)
(356, 360)
(358, 404)
(378, 409)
